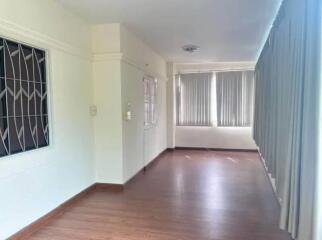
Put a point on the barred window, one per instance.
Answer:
(23, 98)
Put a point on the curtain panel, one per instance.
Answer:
(287, 106)
(194, 99)
(235, 96)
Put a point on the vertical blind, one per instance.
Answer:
(286, 123)
(235, 98)
(194, 99)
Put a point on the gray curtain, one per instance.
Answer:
(235, 95)
(194, 99)
(287, 104)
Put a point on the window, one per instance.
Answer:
(23, 98)
(235, 98)
(194, 99)
(150, 95)
(228, 102)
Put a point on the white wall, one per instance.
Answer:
(106, 38)
(139, 54)
(108, 121)
(133, 130)
(45, 20)
(140, 145)
(118, 70)
(214, 137)
(108, 150)
(35, 182)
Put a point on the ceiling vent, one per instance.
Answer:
(190, 48)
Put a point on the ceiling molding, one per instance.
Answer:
(10, 30)
(103, 57)
(214, 67)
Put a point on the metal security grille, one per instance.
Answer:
(23, 98)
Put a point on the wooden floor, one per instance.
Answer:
(186, 195)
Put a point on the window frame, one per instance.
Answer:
(41, 46)
(150, 100)
(213, 101)
(243, 72)
(178, 100)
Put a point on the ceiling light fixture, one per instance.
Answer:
(190, 48)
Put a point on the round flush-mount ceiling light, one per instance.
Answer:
(190, 48)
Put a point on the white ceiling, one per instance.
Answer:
(225, 30)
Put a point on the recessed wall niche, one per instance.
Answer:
(23, 98)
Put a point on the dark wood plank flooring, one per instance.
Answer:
(185, 195)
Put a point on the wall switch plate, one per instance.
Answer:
(93, 110)
(128, 116)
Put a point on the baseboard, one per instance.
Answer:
(149, 165)
(44, 220)
(39, 223)
(109, 187)
(99, 187)
(155, 160)
(269, 178)
(216, 149)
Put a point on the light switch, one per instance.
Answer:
(93, 110)
(128, 115)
